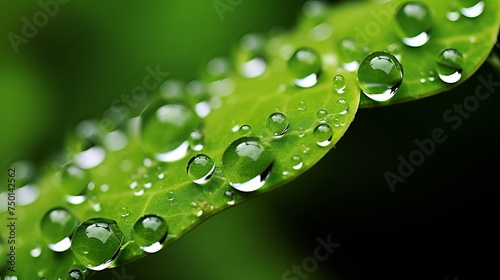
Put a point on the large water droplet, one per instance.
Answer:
(339, 84)
(471, 8)
(323, 134)
(277, 124)
(200, 168)
(97, 242)
(150, 232)
(449, 66)
(166, 129)
(305, 67)
(343, 106)
(415, 24)
(247, 164)
(90, 158)
(75, 275)
(74, 179)
(380, 75)
(57, 226)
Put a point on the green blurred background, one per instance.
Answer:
(438, 224)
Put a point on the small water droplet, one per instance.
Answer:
(104, 188)
(471, 8)
(422, 80)
(415, 24)
(150, 232)
(245, 129)
(449, 66)
(323, 135)
(170, 195)
(97, 242)
(343, 106)
(321, 32)
(36, 252)
(75, 275)
(380, 75)
(322, 115)
(115, 140)
(90, 158)
(250, 57)
(74, 179)
(277, 124)
(124, 211)
(196, 140)
(305, 67)
(57, 226)
(200, 168)
(339, 84)
(178, 120)
(297, 162)
(302, 105)
(247, 163)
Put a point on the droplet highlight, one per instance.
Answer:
(305, 67)
(449, 66)
(414, 23)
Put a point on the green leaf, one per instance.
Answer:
(282, 130)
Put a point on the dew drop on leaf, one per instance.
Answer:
(380, 75)
(57, 226)
(302, 106)
(170, 195)
(305, 67)
(74, 179)
(250, 58)
(297, 162)
(75, 275)
(277, 124)
(247, 163)
(339, 84)
(352, 53)
(449, 66)
(323, 134)
(414, 24)
(245, 129)
(196, 140)
(150, 232)
(343, 106)
(97, 242)
(165, 129)
(200, 168)
(322, 115)
(124, 211)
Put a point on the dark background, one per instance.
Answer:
(441, 223)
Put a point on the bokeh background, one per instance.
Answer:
(441, 223)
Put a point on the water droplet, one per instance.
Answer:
(170, 195)
(115, 140)
(150, 232)
(172, 90)
(97, 242)
(232, 196)
(339, 84)
(322, 115)
(124, 211)
(471, 8)
(323, 134)
(453, 15)
(315, 10)
(57, 226)
(250, 57)
(196, 140)
(277, 124)
(302, 106)
(449, 66)
(297, 162)
(74, 179)
(305, 67)
(104, 188)
(351, 53)
(75, 275)
(247, 163)
(166, 129)
(245, 129)
(321, 32)
(200, 168)
(36, 252)
(343, 106)
(380, 75)
(90, 158)
(415, 24)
